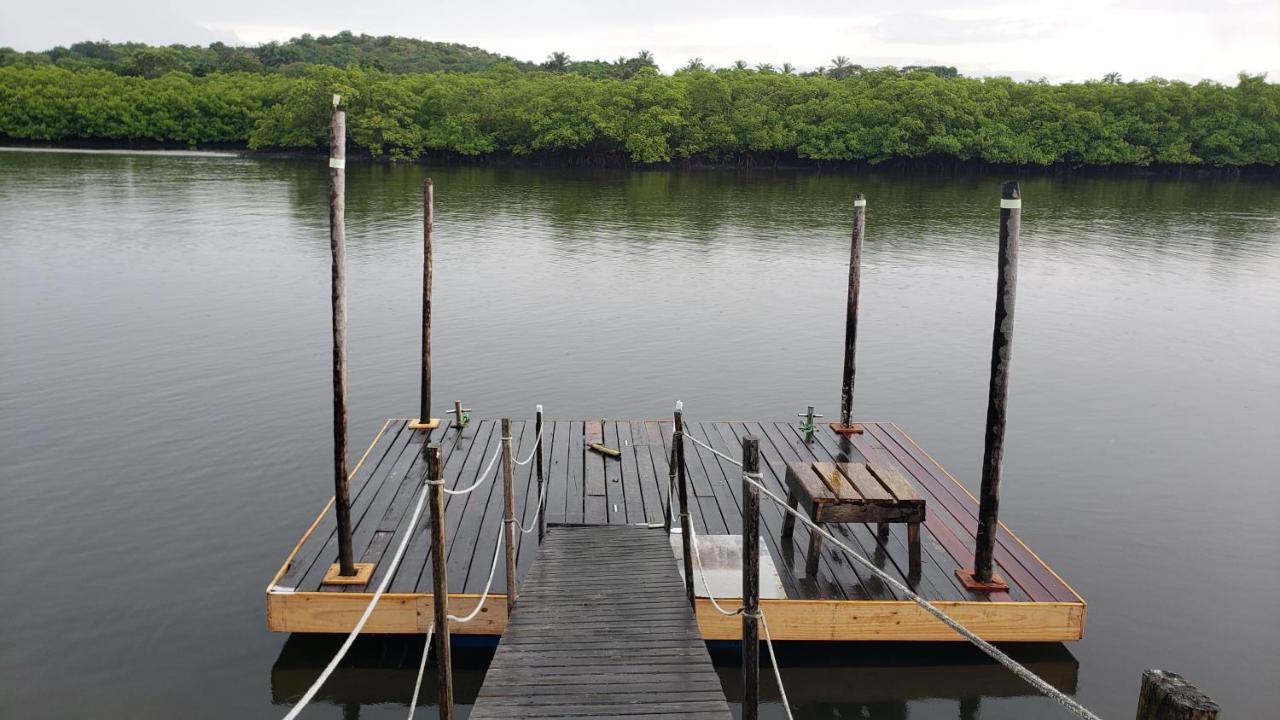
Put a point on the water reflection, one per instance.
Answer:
(823, 680)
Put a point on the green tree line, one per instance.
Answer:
(871, 116)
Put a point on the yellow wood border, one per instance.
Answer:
(314, 523)
(830, 620)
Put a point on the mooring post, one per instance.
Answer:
(750, 579)
(1167, 696)
(425, 421)
(542, 498)
(983, 576)
(509, 514)
(338, 295)
(686, 528)
(851, 316)
(440, 576)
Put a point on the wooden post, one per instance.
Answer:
(750, 579)
(851, 315)
(428, 221)
(440, 577)
(509, 514)
(983, 576)
(338, 296)
(1166, 696)
(686, 528)
(542, 499)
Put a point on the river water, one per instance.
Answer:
(164, 417)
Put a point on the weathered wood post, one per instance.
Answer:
(440, 577)
(750, 579)
(338, 296)
(425, 421)
(846, 425)
(686, 528)
(509, 514)
(1167, 696)
(542, 498)
(983, 577)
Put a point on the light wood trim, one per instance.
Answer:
(314, 523)
(830, 620)
(1004, 527)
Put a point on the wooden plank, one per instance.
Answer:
(615, 499)
(704, 466)
(554, 662)
(459, 450)
(481, 510)
(893, 482)
(557, 472)
(866, 484)
(651, 491)
(576, 504)
(632, 497)
(309, 546)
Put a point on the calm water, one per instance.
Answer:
(164, 420)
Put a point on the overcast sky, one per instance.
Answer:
(1056, 39)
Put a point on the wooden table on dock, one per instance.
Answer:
(852, 493)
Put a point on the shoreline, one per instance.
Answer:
(939, 166)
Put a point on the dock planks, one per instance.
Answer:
(842, 602)
(603, 629)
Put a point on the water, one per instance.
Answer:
(164, 420)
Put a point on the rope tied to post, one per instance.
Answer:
(992, 651)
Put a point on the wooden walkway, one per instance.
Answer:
(841, 602)
(602, 629)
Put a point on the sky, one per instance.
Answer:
(1059, 40)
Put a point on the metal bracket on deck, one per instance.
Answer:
(334, 576)
(418, 424)
(970, 582)
(850, 429)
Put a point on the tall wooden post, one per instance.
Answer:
(542, 498)
(428, 221)
(1166, 696)
(750, 579)
(686, 528)
(509, 514)
(338, 295)
(983, 576)
(440, 577)
(851, 315)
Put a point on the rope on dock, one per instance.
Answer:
(368, 611)
(995, 653)
(533, 449)
(497, 453)
(497, 549)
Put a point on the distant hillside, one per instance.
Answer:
(391, 54)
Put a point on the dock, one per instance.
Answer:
(602, 628)
(839, 602)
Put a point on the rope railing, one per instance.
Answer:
(991, 650)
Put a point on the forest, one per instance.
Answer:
(458, 102)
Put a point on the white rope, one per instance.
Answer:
(533, 522)
(497, 548)
(534, 449)
(777, 671)
(422, 666)
(995, 653)
(368, 611)
(483, 476)
(693, 540)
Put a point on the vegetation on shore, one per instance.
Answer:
(627, 111)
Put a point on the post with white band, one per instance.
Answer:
(338, 297)
(983, 576)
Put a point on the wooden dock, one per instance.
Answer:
(602, 628)
(840, 602)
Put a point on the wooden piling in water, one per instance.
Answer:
(440, 577)
(851, 314)
(428, 223)
(686, 527)
(509, 514)
(338, 296)
(750, 579)
(1167, 696)
(997, 398)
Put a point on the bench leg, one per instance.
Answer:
(789, 522)
(815, 550)
(913, 546)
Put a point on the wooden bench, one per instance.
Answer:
(853, 492)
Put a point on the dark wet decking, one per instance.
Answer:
(602, 629)
(587, 488)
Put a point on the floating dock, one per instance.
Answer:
(602, 628)
(839, 602)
